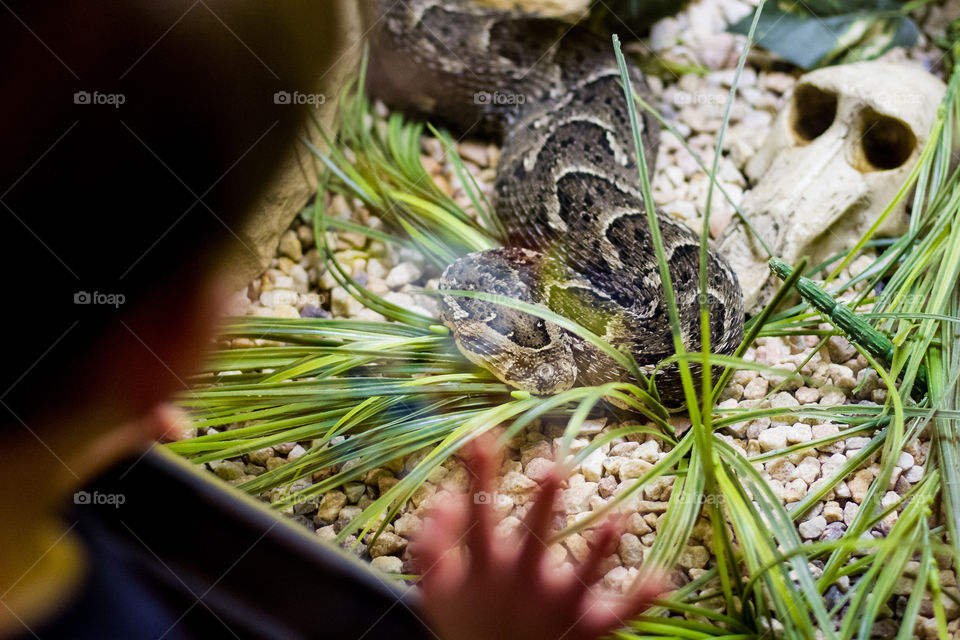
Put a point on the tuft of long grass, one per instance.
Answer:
(364, 396)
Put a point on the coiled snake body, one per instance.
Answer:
(567, 194)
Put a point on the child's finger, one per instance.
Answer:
(436, 549)
(588, 571)
(606, 616)
(537, 526)
(478, 536)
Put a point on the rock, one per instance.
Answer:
(518, 487)
(354, 491)
(630, 550)
(813, 528)
(693, 556)
(860, 483)
(290, 245)
(539, 449)
(576, 499)
(808, 470)
(756, 389)
(387, 564)
(633, 468)
(592, 466)
(773, 438)
(807, 395)
(577, 545)
(330, 505)
(343, 304)
(834, 531)
(607, 486)
(649, 451)
(781, 470)
(799, 432)
(637, 525)
(850, 512)
(297, 452)
(387, 544)
(539, 468)
(228, 469)
(914, 475)
(617, 579)
(832, 512)
(840, 349)
(260, 456)
(407, 525)
(403, 273)
(905, 461)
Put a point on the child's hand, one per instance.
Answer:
(505, 588)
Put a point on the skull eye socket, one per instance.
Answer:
(814, 110)
(885, 142)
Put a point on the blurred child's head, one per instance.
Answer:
(136, 136)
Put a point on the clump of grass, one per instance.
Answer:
(364, 395)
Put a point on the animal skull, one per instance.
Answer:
(837, 155)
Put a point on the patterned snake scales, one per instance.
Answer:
(567, 194)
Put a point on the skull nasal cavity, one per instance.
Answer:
(885, 142)
(813, 111)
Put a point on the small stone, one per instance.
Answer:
(518, 486)
(387, 544)
(781, 470)
(756, 389)
(850, 512)
(799, 432)
(637, 525)
(290, 245)
(832, 512)
(840, 349)
(773, 438)
(607, 486)
(914, 475)
(592, 466)
(806, 395)
(617, 579)
(905, 461)
(808, 470)
(475, 153)
(403, 273)
(860, 483)
(649, 451)
(631, 551)
(633, 468)
(387, 564)
(813, 528)
(330, 505)
(576, 499)
(407, 525)
(343, 304)
(834, 531)
(354, 491)
(539, 449)
(539, 468)
(694, 556)
(297, 452)
(228, 470)
(577, 545)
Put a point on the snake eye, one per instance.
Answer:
(545, 372)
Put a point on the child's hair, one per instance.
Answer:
(135, 137)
